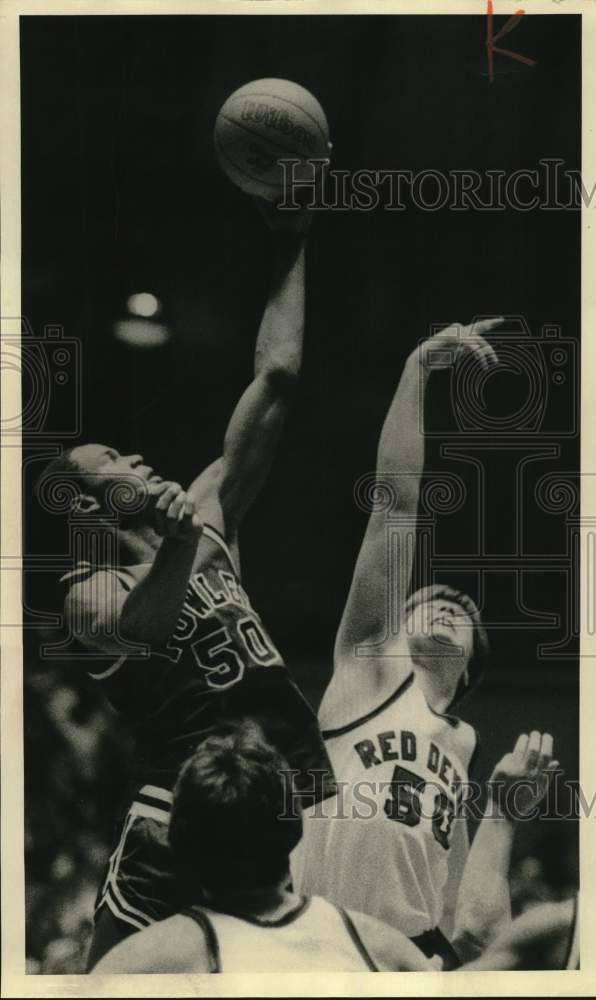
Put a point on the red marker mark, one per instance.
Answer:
(491, 48)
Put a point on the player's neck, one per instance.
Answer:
(262, 902)
(438, 687)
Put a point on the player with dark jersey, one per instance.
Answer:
(169, 633)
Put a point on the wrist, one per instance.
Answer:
(179, 543)
(417, 365)
(496, 808)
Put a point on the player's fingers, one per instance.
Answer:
(176, 508)
(546, 751)
(483, 326)
(488, 351)
(155, 489)
(174, 513)
(172, 490)
(533, 750)
(519, 750)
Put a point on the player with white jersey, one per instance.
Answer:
(392, 843)
(232, 828)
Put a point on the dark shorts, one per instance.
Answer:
(139, 886)
(435, 943)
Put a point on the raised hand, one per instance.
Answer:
(174, 512)
(295, 221)
(446, 347)
(520, 780)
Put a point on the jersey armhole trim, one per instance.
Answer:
(203, 921)
(215, 536)
(357, 940)
(329, 734)
(111, 670)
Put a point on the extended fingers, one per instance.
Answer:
(176, 512)
(519, 750)
(483, 326)
(533, 750)
(546, 752)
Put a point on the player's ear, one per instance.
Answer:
(84, 503)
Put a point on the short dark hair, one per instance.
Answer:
(481, 649)
(63, 469)
(230, 827)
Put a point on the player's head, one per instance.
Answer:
(230, 827)
(445, 633)
(91, 471)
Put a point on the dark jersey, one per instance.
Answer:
(220, 663)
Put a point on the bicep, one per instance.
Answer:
(251, 442)
(365, 671)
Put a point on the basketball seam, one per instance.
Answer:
(246, 173)
(292, 104)
(255, 135)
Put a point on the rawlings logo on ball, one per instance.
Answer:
(265, 114)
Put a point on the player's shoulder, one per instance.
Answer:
(176, 944)
(353, 701)
(463, 736)
(388, 948)
(86, 584)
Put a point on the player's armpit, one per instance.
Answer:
(204, 490)
(92, 613)
(367, 667)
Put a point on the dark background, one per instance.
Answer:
(121, 193)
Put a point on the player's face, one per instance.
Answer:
(102, 466)
(440, 626)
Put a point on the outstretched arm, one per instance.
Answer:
(538, 939)
(383, 569)
(516, 788)
(255, 427)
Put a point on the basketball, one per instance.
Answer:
(263, 122)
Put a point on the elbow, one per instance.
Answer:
(475, 931)
(281, 380)
(468, 941)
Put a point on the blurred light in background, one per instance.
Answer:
(138, 332)
(143, 304)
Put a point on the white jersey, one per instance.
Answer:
(385, 843)
(315, 936)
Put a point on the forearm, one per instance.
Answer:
(281, 333)
(151, 611)
(484, 903)
(400, 454)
